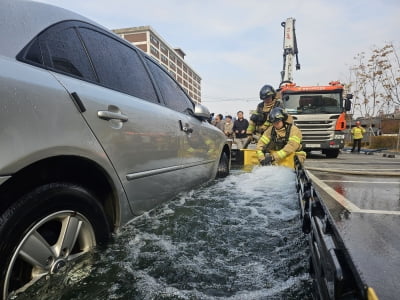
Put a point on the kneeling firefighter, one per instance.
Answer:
(281, 141)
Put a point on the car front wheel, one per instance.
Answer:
(47, 231)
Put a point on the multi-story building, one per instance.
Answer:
(145, 38)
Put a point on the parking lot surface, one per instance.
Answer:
(362, 193)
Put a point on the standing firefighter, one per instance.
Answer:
(358, 133)
(259, 120)
(282, 141)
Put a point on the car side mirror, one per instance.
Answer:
(201, 112)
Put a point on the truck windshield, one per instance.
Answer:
(314, 103)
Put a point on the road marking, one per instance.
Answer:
(358, 181)
(342, 200)
(346, 203)
(380, 212)
(373, 172)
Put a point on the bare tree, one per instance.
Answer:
(375, 81)
(389, 74)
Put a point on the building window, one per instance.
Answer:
(164, 59)
(154, 40)
(164, 49)
(155, 52)
(172, 57)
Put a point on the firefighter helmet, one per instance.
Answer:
(267, 91)
(277, 114)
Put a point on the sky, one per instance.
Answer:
(236, 46)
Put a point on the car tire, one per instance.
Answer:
(45, 230)
(223, 166)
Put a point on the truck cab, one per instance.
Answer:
(319, 112)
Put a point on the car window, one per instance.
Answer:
(173, 95)
(118, 66)
(33, 54)
(59, 48)
(66, 53)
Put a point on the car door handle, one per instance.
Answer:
(187, 129)
(109, 115)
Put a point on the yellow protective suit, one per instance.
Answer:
(282, 150)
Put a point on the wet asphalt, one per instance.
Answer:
(362, 193)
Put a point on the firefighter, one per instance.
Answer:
(357, 133)
(282, 140)
(259, 120)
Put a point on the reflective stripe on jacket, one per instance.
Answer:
(293, 144)
(357, 132)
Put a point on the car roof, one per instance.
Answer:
(22, 20)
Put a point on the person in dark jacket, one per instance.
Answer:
(239, 130)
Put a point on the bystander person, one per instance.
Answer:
(239, 130)
(228, 127)
(219, 122)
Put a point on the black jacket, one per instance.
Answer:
(240, 125)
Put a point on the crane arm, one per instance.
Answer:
(289, 50)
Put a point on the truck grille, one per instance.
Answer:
(317, 137)
(316, 131)
(316, 125)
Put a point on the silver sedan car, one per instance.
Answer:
(93, 133)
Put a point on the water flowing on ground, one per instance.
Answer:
(233, 238)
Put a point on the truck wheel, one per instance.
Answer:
(46, 232)
(223, 166)
(331, 153)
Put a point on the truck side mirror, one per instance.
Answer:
(347, 104)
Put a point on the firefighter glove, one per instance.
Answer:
(267, 161)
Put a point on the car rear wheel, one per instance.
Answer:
(46, 232)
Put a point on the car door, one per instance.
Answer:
(121, 107)
(200, 145)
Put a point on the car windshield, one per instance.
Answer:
(327, 103)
